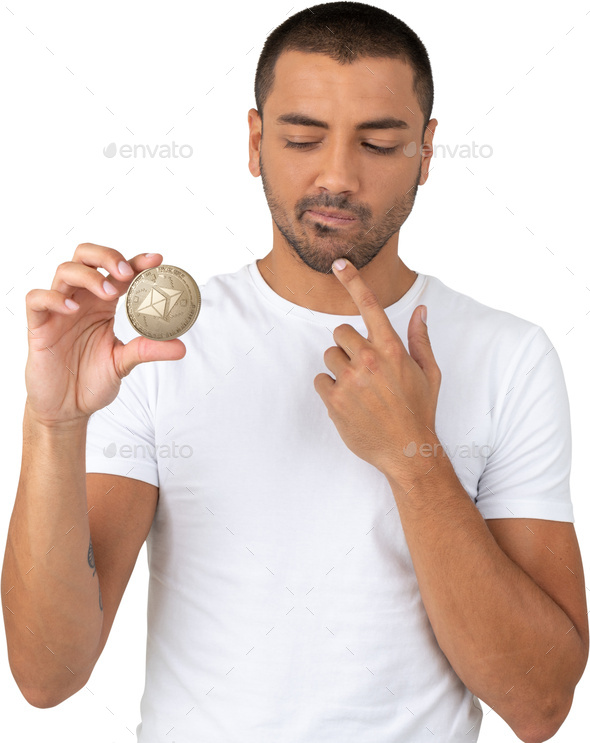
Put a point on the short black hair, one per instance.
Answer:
(345, 31)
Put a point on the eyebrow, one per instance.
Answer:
(387, 122)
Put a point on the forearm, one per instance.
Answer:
(50, 590)
(508, 641)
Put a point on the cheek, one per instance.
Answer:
(393, 180)
(284, 171)
(291, 183)
(296, 173)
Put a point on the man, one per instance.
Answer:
(320, 567)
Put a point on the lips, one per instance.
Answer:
(332, 215)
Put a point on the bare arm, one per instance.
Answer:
(51, 595)
(512, 623)
(51, 577)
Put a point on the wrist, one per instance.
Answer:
(36, 423)
(419, 461)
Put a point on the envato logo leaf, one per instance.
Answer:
(410, 449)
(409, 151)
(110, 150)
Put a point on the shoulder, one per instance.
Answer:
(461, 324)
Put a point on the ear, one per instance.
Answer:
(427, 150)
(255, 124)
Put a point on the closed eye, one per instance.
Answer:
(372, 147)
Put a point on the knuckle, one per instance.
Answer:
(348, 374)
(368, 357)
(368, 299)
(115, 257)
(350, 379)
(391, 347)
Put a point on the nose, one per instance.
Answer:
(337, 169)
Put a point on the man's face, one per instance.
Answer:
(339, 167)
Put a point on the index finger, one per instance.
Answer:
(375, 317)
(101, 256)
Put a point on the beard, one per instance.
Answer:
(319, 249)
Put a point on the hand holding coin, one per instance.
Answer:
(75, 362)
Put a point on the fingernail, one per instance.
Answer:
(149, 255)
(71, 304)
(109, 288)
(423, 315)
(339, 264)
(125, 268)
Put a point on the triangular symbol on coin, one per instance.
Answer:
(159, 302)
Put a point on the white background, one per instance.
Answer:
(509, 230)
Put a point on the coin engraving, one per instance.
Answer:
(163, 302)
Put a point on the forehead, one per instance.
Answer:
(314, 83)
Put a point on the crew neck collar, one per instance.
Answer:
(285, 307)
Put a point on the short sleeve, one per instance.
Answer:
(120, 438)
(528, 470)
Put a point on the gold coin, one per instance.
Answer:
(163, 302)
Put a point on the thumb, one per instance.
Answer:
(419, 342)
(139, 350)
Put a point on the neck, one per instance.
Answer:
(386, 275)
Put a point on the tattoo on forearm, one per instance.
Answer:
(91, 557)
(92, 564)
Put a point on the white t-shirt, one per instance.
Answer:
(283, 604)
